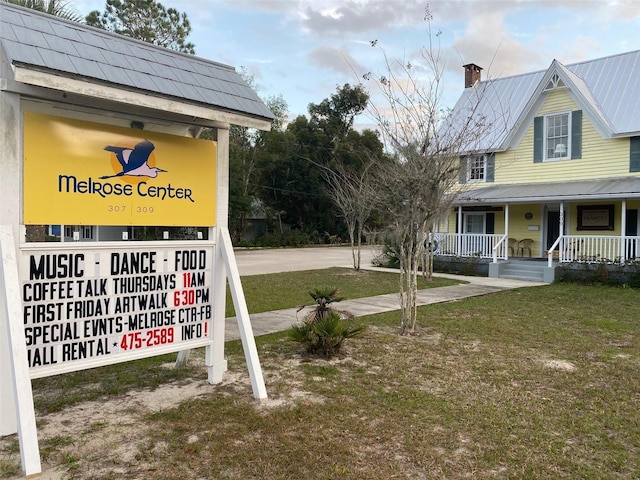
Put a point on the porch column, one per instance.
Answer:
(505, 244)
(561, 244)
(506, 219)
(459, 235)
(623, 231)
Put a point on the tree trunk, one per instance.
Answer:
(359, 244)
(351, 227)
(409, 256)
(432, 247)
(414, 288)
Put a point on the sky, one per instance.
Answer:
(304, 49)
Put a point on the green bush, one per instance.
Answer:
(325, 335)
(324, 329)
(603, 273)
(294, 238)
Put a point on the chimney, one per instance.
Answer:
(472, 74)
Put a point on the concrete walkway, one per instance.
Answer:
(281, 260)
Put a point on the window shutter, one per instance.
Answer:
(634, 154)
(538, 139)
(576, 134)
(491, 223)
(489, 167)
(462, 174)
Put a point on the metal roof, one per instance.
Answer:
(44, 42)
(584, 190)
(607, 88)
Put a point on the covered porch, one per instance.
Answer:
(583, 221)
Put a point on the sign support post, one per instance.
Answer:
(11, 313)
(10, 181)
(214, 355)
(244, 322)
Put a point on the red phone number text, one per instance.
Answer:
(147, 338)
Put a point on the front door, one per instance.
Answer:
(631, 230)
(553, 227)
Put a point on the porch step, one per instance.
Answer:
(524, 270)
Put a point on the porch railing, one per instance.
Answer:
(501, 246)
(567, 248)
(594, 248)
(471, 245)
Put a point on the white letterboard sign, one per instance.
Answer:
(84, 308)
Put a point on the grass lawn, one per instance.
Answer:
(539, 382)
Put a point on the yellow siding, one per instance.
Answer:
(519, 226)
(600, 157)
(499, 222)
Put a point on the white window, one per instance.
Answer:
(476, 168)
(474, 223)
(474, 227)
(557, 139)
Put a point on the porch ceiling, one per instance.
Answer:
(584, 190)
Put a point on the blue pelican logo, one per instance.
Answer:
(134, 162)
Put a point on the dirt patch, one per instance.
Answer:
(89, 433)
(559, 365)
(114, 425)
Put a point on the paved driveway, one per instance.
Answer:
(274, 260)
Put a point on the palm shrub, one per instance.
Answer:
(324, 329)
(324, 297)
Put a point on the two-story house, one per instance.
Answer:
(557, 174)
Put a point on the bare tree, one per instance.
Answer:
(426, 142)
(353, 193)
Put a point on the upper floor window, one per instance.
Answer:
(557, 136)
(557, 139)
(476, 168)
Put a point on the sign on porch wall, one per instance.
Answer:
(84, 308)
(595, 217)
(479, 208)
(79, 173)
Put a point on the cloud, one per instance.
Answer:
(490, 44)
(343, 18)
(337, 59)
(582, 48)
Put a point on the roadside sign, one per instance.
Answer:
(88, 307)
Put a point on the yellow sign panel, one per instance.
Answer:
(82, 173)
